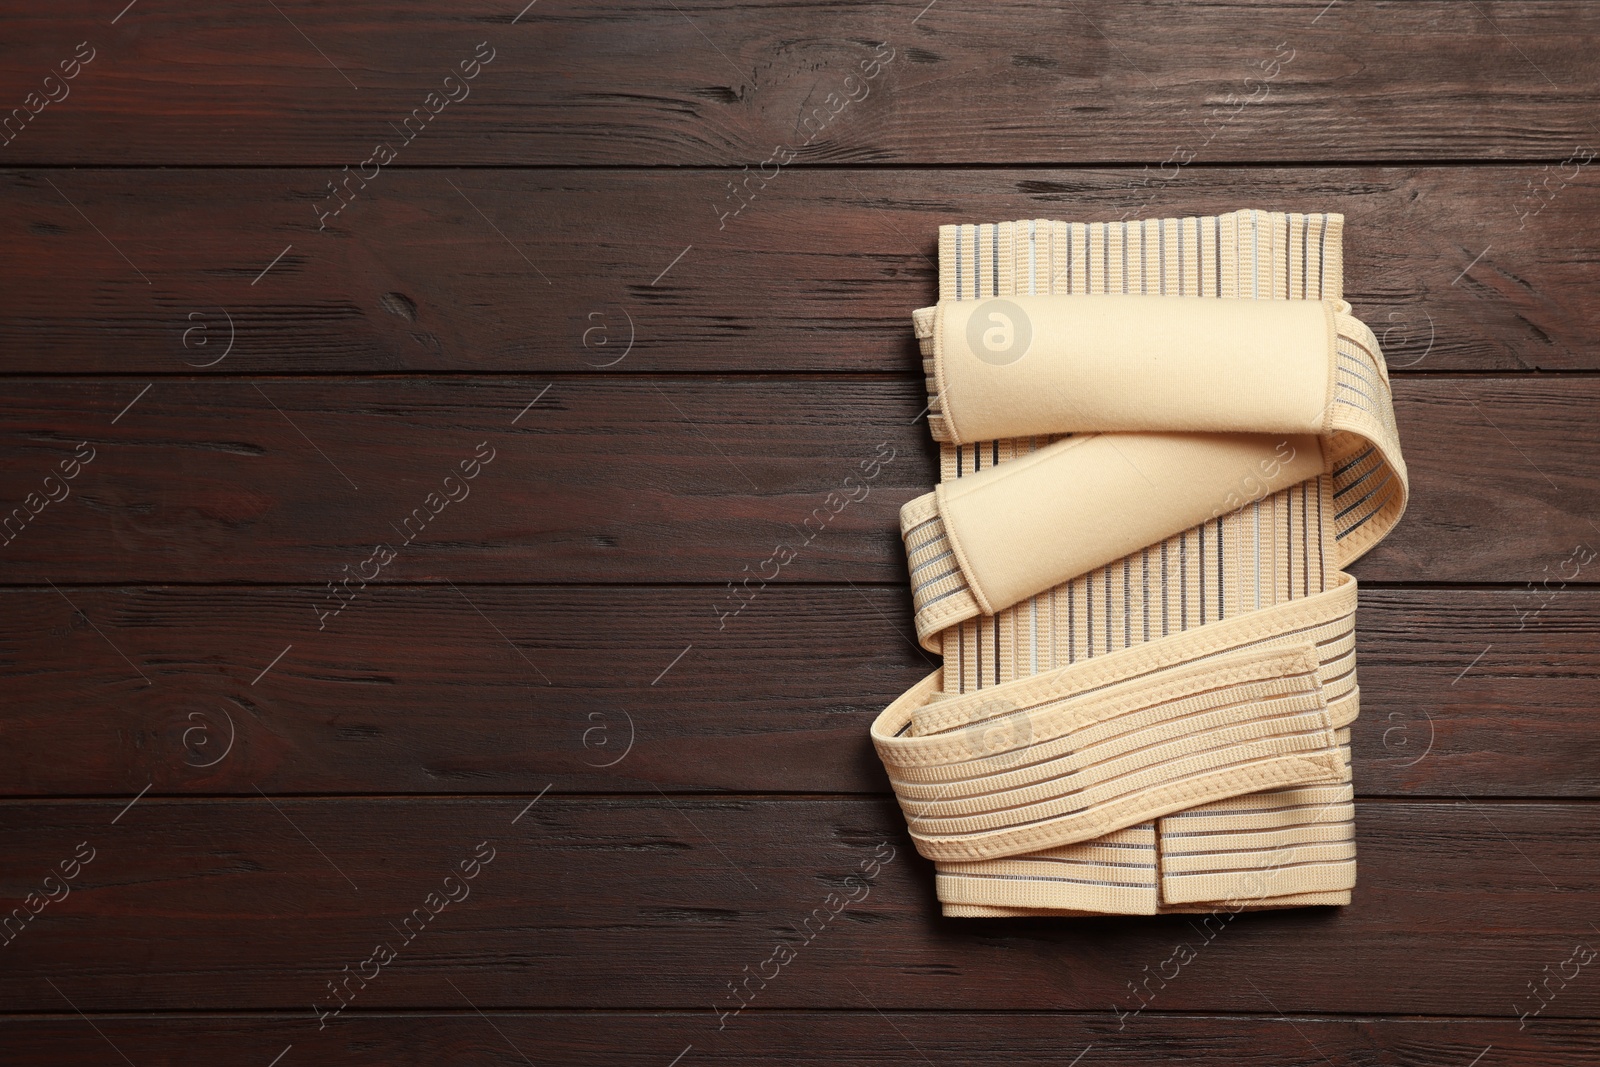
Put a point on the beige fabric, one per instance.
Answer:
(1126, 363)
(1066, 509)
(1149, 647)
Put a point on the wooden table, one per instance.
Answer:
(393, 391)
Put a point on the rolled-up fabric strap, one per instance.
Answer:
(1160, 442)
(1078, 504)
(1009, 367)
(1093, 498)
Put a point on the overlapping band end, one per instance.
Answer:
(940, 592)
(1371, 484)
(894, 721)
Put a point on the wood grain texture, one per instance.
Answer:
(1456, 268)
(278, 740)
(412, 690)
(607, 479)
(824, 1039)
(660, 903)
(721, 82)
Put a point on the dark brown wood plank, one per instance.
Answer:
(632, 271)
(826, 1039)
(607, 479)
(272, 780)
(723, 82)
(660, 903)
(412, 690)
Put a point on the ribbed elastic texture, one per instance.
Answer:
(1056, 764)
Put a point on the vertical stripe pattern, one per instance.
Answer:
(1274, 549)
